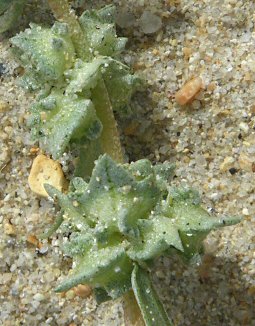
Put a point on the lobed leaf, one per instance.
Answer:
(63, 113)
(46, 54)
(60, 120)
(119, 82)
(101, 31)
(107, 268)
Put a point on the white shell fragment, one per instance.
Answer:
(150, 23)
(188, 91)
(45, 170)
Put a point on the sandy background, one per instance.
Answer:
(212, 142)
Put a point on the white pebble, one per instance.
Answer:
(39, 297)
(150, 23)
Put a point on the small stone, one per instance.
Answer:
(3, 106)
(34, 150)
(245, 211)
(83, 290)
(70, 294)
(150, 23)
(9, 229)
(39, 297)
(42, 248)
(155, 51)
(45, 170)
(4, 156)
(245, 162)
(244, 127)
(5, 278)
(226, 164)
(187, 52)
(211, 87)
(188, 91)
(32, 239)
(251, 290)
(232, 171)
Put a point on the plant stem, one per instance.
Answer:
(109, 139)
(88, 153)
(63, 13)
(147, 299)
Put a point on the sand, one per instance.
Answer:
(212, 142)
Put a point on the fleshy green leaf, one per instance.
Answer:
(101, 31)
(192, 221)
(84, 76)
(59, 120)
(115, 199)
(157, 235)
(108, 267)
(120, 83)
(71, 211)
(69, 81)
(63, 113)
(46, 53)
(53, 228)
(163, 171)
(152, 309)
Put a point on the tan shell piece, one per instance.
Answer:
(189, 90)
(82, 290)
(45, 170)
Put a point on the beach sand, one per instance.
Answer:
(211, 140)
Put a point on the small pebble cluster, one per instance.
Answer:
(211, 139)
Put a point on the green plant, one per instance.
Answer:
(77, 89)
(126, 215)
(124, 218)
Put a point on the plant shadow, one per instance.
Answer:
(212, 294)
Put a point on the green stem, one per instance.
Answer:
(88, 153)
(109, 139)
(53, 228)
(146, 296)
(63, 13)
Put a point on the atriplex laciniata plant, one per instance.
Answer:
(79, 80)
(125, 215)
(124, 218)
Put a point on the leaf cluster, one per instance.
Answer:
(65, 110)
(126, 215)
